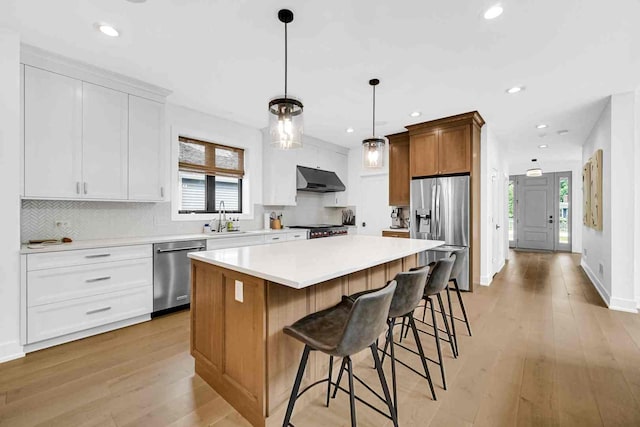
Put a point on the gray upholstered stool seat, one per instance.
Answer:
(344, 330)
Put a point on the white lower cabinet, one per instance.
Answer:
(53, 320)
(74, 294)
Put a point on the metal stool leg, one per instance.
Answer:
(296, 386)
(453, 322)
(329, 379)
(446, 326)
(352, 392)
(385, 387)
(464, 312)
(423, 358)
(342, 367)
(392, 323)
(437, 337)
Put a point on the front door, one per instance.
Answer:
(535, 212)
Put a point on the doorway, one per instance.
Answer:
(540, 211)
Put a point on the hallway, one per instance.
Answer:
(545, 351)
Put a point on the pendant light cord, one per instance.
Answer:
(374, 113)
(285, 60)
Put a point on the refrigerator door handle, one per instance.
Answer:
(438, 211)
(433, 212)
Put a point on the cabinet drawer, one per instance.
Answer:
(277, 238)
(235, 242)
(86, 256)
(54, 320)
(300, 235)
(61, 284)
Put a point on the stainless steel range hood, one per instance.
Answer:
(318, 180)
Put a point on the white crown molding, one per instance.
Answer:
(40, 58)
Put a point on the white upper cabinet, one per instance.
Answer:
(146, 120)
(279, 176)
(104, 143)
(336, 162)
(52, 135)
(87, 134)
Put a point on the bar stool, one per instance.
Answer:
(408, 294)
(438, 279)
(458, 265)
(342, 331)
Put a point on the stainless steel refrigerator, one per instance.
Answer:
(440, 211)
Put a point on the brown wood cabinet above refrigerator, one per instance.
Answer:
(399, 177)
(444, 146)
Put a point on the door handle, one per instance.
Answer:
(85, 187)
(550, 221)
(190, 248)
(182, 297)
(438, 210)
(497, 227)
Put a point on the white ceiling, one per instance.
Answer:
(225, 57)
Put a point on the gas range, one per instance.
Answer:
(317, 231)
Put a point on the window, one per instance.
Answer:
(511, 203)
(209, 174)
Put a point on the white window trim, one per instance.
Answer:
(247, 205)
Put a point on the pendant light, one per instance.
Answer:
(535, 170)
(373, 148)
(285, 113)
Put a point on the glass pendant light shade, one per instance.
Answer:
(373, 153)
(286, 123)
(373, 148)
(285, 113)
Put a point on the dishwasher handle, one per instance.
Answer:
(189, 248)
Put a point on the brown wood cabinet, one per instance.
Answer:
(399, 177)
(444, 146)
(400, 234)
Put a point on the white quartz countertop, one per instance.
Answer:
(302, 263)
(127, 241)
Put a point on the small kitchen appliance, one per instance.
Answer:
(397, 220)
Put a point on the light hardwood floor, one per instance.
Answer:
(545, 351)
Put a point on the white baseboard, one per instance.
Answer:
(622, 304)
(10, 351)
(485, 280)
(596, 283)
(618, 304)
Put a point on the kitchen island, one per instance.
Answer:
(243, 297)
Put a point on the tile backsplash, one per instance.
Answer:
(102, 220)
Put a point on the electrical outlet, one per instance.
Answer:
(601, 269)
(239, 291)
(62, 223)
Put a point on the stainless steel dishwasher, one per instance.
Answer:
(171, 274)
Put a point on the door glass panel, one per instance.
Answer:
(563, 214)
(511, 210)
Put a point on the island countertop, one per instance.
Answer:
(303, 263)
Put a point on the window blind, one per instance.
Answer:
(210, 158)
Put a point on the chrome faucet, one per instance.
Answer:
(222, 216)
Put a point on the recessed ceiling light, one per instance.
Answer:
(563, 132)
(493, 12)
(350, 130)
(542, 126)
(515, 89)
(108, 30)
(543, 146)
(416, 114)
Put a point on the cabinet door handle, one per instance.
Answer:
(98, 279)
(296, 235)
(85, 188)
(162, 192)
(97, 256)
(99, 310)
(77, 187)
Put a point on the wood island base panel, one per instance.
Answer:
(237, 340)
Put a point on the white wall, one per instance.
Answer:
(609, 255)
(637, 199)
(493, 166)
(10, 170)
